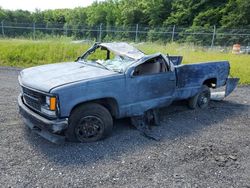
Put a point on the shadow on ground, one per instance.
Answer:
(177, 121)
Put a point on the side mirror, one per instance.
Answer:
(171, 66)
(132, 73)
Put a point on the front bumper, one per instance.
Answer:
(46, 128)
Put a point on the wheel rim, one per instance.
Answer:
(203, 99)
(89, 128)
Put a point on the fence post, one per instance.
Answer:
(34, 31)
(136, 33)
(100, 33)
(213, 38)
(2, 28)
(173, 32)
(66, 30)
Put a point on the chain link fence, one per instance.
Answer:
(208, 37)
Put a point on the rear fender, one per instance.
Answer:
(231, 84)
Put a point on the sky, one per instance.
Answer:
(31, 5)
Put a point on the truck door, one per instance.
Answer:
(152, 83)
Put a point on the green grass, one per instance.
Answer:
(240, 64)
(27, 53)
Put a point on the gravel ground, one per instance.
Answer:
(200, 148)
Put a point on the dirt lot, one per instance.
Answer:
(203, 148)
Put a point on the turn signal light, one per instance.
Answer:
(52, 105)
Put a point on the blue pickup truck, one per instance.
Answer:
(78, 101)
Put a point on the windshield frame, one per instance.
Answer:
(91, 50)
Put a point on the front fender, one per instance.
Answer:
(72, 95)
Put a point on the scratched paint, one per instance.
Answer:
(77, 83)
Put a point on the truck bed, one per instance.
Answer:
(190, 77)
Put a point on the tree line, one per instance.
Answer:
(193, 15)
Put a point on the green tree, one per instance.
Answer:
(236, 14)
(157, 11)
(132, 13)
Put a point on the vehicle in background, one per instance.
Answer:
(245, 50)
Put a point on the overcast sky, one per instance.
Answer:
(31, 5)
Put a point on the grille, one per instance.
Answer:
(31, 93)
(32, 98)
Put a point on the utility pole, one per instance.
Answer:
(2, 29)
(173, 32)
(213, 38)
(100, 33)
(136, 33)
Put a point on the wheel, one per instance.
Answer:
(201, 99)
(89, 123)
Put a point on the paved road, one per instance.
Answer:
(203, 148)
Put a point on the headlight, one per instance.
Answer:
(50, 107)
(47, 100)
(51, 102)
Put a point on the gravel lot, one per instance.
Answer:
(203, 148)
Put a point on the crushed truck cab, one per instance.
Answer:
(78, 100)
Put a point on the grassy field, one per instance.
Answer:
(27, 53)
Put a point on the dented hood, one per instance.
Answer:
(47, 77)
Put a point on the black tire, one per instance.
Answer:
(200, 100)
(89, 123)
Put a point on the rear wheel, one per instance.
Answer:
(201, 99)
(89, 123)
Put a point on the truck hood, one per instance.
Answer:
(47, 77)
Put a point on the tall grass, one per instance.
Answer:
(26, 53)
(240, 64)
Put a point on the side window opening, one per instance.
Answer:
(152, 66)
(100, 54)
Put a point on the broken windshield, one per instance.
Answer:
(106, 59)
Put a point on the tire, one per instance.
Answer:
(89, 123)
(200, 100)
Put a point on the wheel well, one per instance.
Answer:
(109, 103)
(210, 82)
